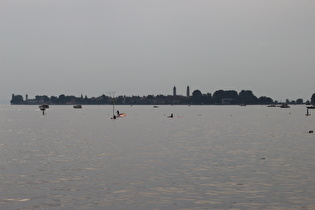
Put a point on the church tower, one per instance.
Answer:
(188, 91)
(174, 91)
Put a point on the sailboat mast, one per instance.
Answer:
(113, 101)
(113, 104)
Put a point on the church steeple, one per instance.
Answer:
(188, 91)
(174, 91)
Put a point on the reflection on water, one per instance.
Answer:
(206, 157)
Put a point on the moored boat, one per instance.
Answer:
(284, 106)
(78, 106)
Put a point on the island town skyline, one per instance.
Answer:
(190, 97)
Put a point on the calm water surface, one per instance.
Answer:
(206, 157)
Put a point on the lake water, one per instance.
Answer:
(206, 157)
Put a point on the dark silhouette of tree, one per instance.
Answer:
(228, 96)
(217, 96)
(53, 99)
(265, 100)
(150, 97)
(61, 99)
(313, 99)
(42, 99)
(196, 97)
(207, 98)
(119, 100)
(104, 99)
(247, 97)
(17, 99)
(225, 94)
(71, 99)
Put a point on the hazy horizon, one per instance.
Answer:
(143, 47)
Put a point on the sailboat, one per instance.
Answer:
(117, 112)
(114, 116)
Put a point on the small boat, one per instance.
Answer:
(171, 115)
(78, 106)
(311, 107)
(118, 115)
(272, 105)
(155, 106)
(284, 106)
(122, 115)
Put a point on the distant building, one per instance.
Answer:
(174, 91)
(188, 91)
(228, 101)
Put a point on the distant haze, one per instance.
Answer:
(143, 47)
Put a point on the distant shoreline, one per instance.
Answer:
(277, 105)
(219, 97)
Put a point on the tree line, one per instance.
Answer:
(197, 98)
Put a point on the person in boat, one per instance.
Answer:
(171, 116)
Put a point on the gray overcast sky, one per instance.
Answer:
(141, 47)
